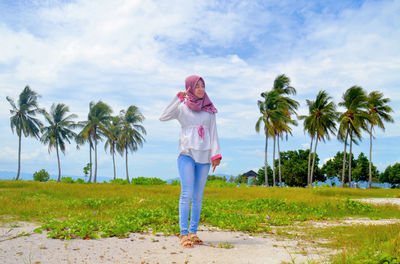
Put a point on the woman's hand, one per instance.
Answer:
(215, 163)
(184, 94)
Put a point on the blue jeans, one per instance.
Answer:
(193, 180)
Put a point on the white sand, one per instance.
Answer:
(146, 248)
(381, 201)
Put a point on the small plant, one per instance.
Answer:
(41, 176)
(79, 180)
(67, 180)
(119, 181)
(175, 183)
(86, 169)
(148, 181)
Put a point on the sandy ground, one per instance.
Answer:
(146, 248)
(381, 201)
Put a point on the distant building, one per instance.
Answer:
(250, 176)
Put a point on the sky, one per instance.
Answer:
(126, 52)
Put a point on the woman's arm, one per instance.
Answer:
(215, 151)
(172, 110)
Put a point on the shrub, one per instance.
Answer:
(147, 181)
(67, 180)
(41, 176)
(80, 180)
(175, 183)
(119, 181)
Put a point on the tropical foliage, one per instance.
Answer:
(378, 110)
(23, 118)
(59, 130)
(320, 122)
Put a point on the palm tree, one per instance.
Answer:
(270, 114)
(352, 121)
(23, 118)
(81, 139)
(59, 130)
(379, 113)
(99, 115)
(131, 132)
(320, 121)
(112, 132)
(282, 86)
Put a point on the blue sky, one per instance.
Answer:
(139, 53)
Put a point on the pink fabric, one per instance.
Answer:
(216, 157)
(195, 103)
(200, 131)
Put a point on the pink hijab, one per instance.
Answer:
(195, 103)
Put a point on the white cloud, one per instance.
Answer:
(139, 52)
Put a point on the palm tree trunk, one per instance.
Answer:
(90, 155)
(59, 167)
(351, 143)
(279, 164)
(265, 161)
(313, 162)
(115, 174)
(95, 157)
(370, 159)
(344, 157)
(309, 163)
(19, 155)
(273, 163)
(126, 161)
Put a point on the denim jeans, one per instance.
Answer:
(193, 180)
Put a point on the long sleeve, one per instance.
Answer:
(172, 110)
(215, 151)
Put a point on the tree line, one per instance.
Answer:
(362, 112)
(123, 133)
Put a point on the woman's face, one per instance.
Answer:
(199, 90)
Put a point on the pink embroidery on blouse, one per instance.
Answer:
(200, 131)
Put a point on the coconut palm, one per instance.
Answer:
(81, 139)
(282, 86)
(59, 130)
(131, 134)
(379, 113)
(320, 122)
(112, 132)
(23, 118)
(352, 121)
(271, 115)
(93, 128)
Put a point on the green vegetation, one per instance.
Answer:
(103, 210)
(41, 176)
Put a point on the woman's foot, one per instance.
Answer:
(186, 242)
(195, 239)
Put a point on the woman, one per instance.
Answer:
(198, 148)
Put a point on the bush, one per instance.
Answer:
(147, 181)
(119, 181)
(67, 180)
(80, 180)
(41, 176)
(175, 183)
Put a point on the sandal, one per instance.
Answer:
(196, 240)
(186, 242)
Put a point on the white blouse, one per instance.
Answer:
(198, 138)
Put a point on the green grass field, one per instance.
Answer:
(103, 210)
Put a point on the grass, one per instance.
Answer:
(103, 210)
